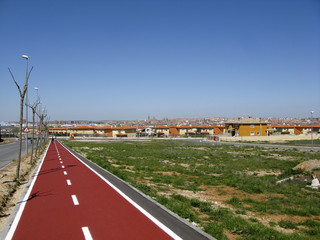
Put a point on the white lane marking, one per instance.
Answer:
(62, 166)
(75, 200)
(147, 214)
(65, 173)
(61, 162)
(68, 182)
(86, 233)
(24, 201)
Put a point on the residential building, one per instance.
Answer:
(246, 127)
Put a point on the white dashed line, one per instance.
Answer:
(75, 200)
(61, 162)
(86, 233)
(68, 182)
(65, 173)
(62, 166)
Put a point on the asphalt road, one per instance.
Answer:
(9, 152)
(72, 198)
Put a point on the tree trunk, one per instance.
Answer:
(32, 136)
(20, 139)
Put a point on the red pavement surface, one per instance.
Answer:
(50, 212)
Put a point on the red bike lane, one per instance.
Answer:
(70, 201)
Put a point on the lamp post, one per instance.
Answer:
(312, 112)
(26, 57)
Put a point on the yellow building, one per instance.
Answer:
(125, 131)
(82, 131)
(105, 131)
(246, 127)
(161, 130)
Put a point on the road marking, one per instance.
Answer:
(75, 200)
(65, 173)
(86, 233)
(62, 166)
(61, 162)
(68, 182)
(147, 214)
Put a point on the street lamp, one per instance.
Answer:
(312, 112)
(26, 57)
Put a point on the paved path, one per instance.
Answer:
(9, 152)
(68, 200)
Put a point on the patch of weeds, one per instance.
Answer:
(287, 224)
(310, 223)
(241, 212)
(254, 220)
(216, 230)
(314, 228)
(273, 224)
(235, 202)
(145, 189)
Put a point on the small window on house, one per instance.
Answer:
(258, 133)
(252, 126)
(251, 133)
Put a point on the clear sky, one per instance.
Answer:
(125, 59)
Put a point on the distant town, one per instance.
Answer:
(211, 126)
(152, 121)
(166, 121)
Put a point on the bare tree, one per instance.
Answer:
(22, 94)
(42, 127)
(34, 109)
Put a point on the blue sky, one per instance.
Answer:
(124, 59)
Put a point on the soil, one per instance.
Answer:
(218, 195)
(7, 176)
(308, 166)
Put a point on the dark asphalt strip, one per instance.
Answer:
(178, 225)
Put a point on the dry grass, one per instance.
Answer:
(11, 190)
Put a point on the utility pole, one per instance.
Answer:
(26, 57)
(312, 112)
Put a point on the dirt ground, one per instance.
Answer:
(218, 195)
(7, 175)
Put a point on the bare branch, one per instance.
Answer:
(29, 73)
(15, 82)
(34, 105)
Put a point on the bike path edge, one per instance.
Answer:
(178, 225)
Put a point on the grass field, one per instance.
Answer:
(230, 192)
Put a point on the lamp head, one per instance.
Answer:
(25, 56)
